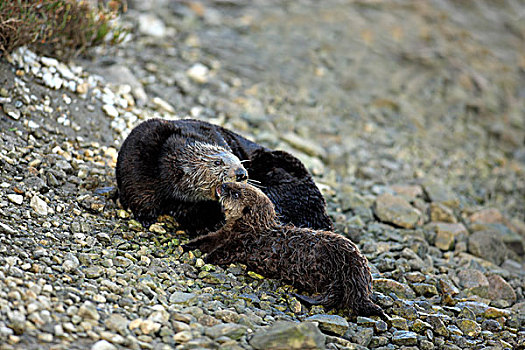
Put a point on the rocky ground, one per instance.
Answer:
(410, 114)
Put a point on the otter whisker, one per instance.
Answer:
(258, 185)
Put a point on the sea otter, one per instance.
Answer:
(173, 167)
(319, 262)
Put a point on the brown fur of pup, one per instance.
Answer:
(317, 262)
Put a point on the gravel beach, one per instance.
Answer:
(409, 114)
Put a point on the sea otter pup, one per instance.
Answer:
(318, 262)
(173, 167)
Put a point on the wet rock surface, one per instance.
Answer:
(410, 115)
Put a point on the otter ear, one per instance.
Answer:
(246, 210)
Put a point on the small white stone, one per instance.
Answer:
(52, 80)
(163, 105)
(103, 345)
(39, 205)
(48, 61)
(198, 73)
(151, 25)
(110, 110)
(16, 198)
(65, 72)
(33, 125)
(12, 111)
(119, 125)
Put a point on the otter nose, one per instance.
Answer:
(241, 175)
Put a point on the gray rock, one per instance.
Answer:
(501, 290)
(405, 338)
(473, 282)
(88, 311)
(117, 323)
(93, 271)
(469, 327)
(183, 298)
(396, 210)
(387, 286)
(304, 145)
(70, 265)
(446, 234)
(362, 336)
(122, 261)
(289, 335)
(512, 240)
(488, 245)
(438, 325)
(330, 323)
(441, 213)
(440, 193)
(230, 330)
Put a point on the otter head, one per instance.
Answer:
(205, 166)
(246, 203)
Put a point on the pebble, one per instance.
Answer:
(446, 234)
(117, 323)
(330, 323)
(304, 145)
(441, 213)
(182, 298)
(88, 311)
(11, 111)
(405, 338)
(469, 327)
(39, 206)
(103, 345)
(230, 330)
(288, 336)
(93, 271)
(396, 210)
(386, 286)
(151, 25)
(148, 326)
(110, 110)
(16, 198)
(489, 246)
(473, 282)
(487, 216)
(440, 193)
(501, 290)
(198, 73)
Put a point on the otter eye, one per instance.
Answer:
(235, 195)
(218, 162)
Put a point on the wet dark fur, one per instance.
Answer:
(142, 158)
(317, 262)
